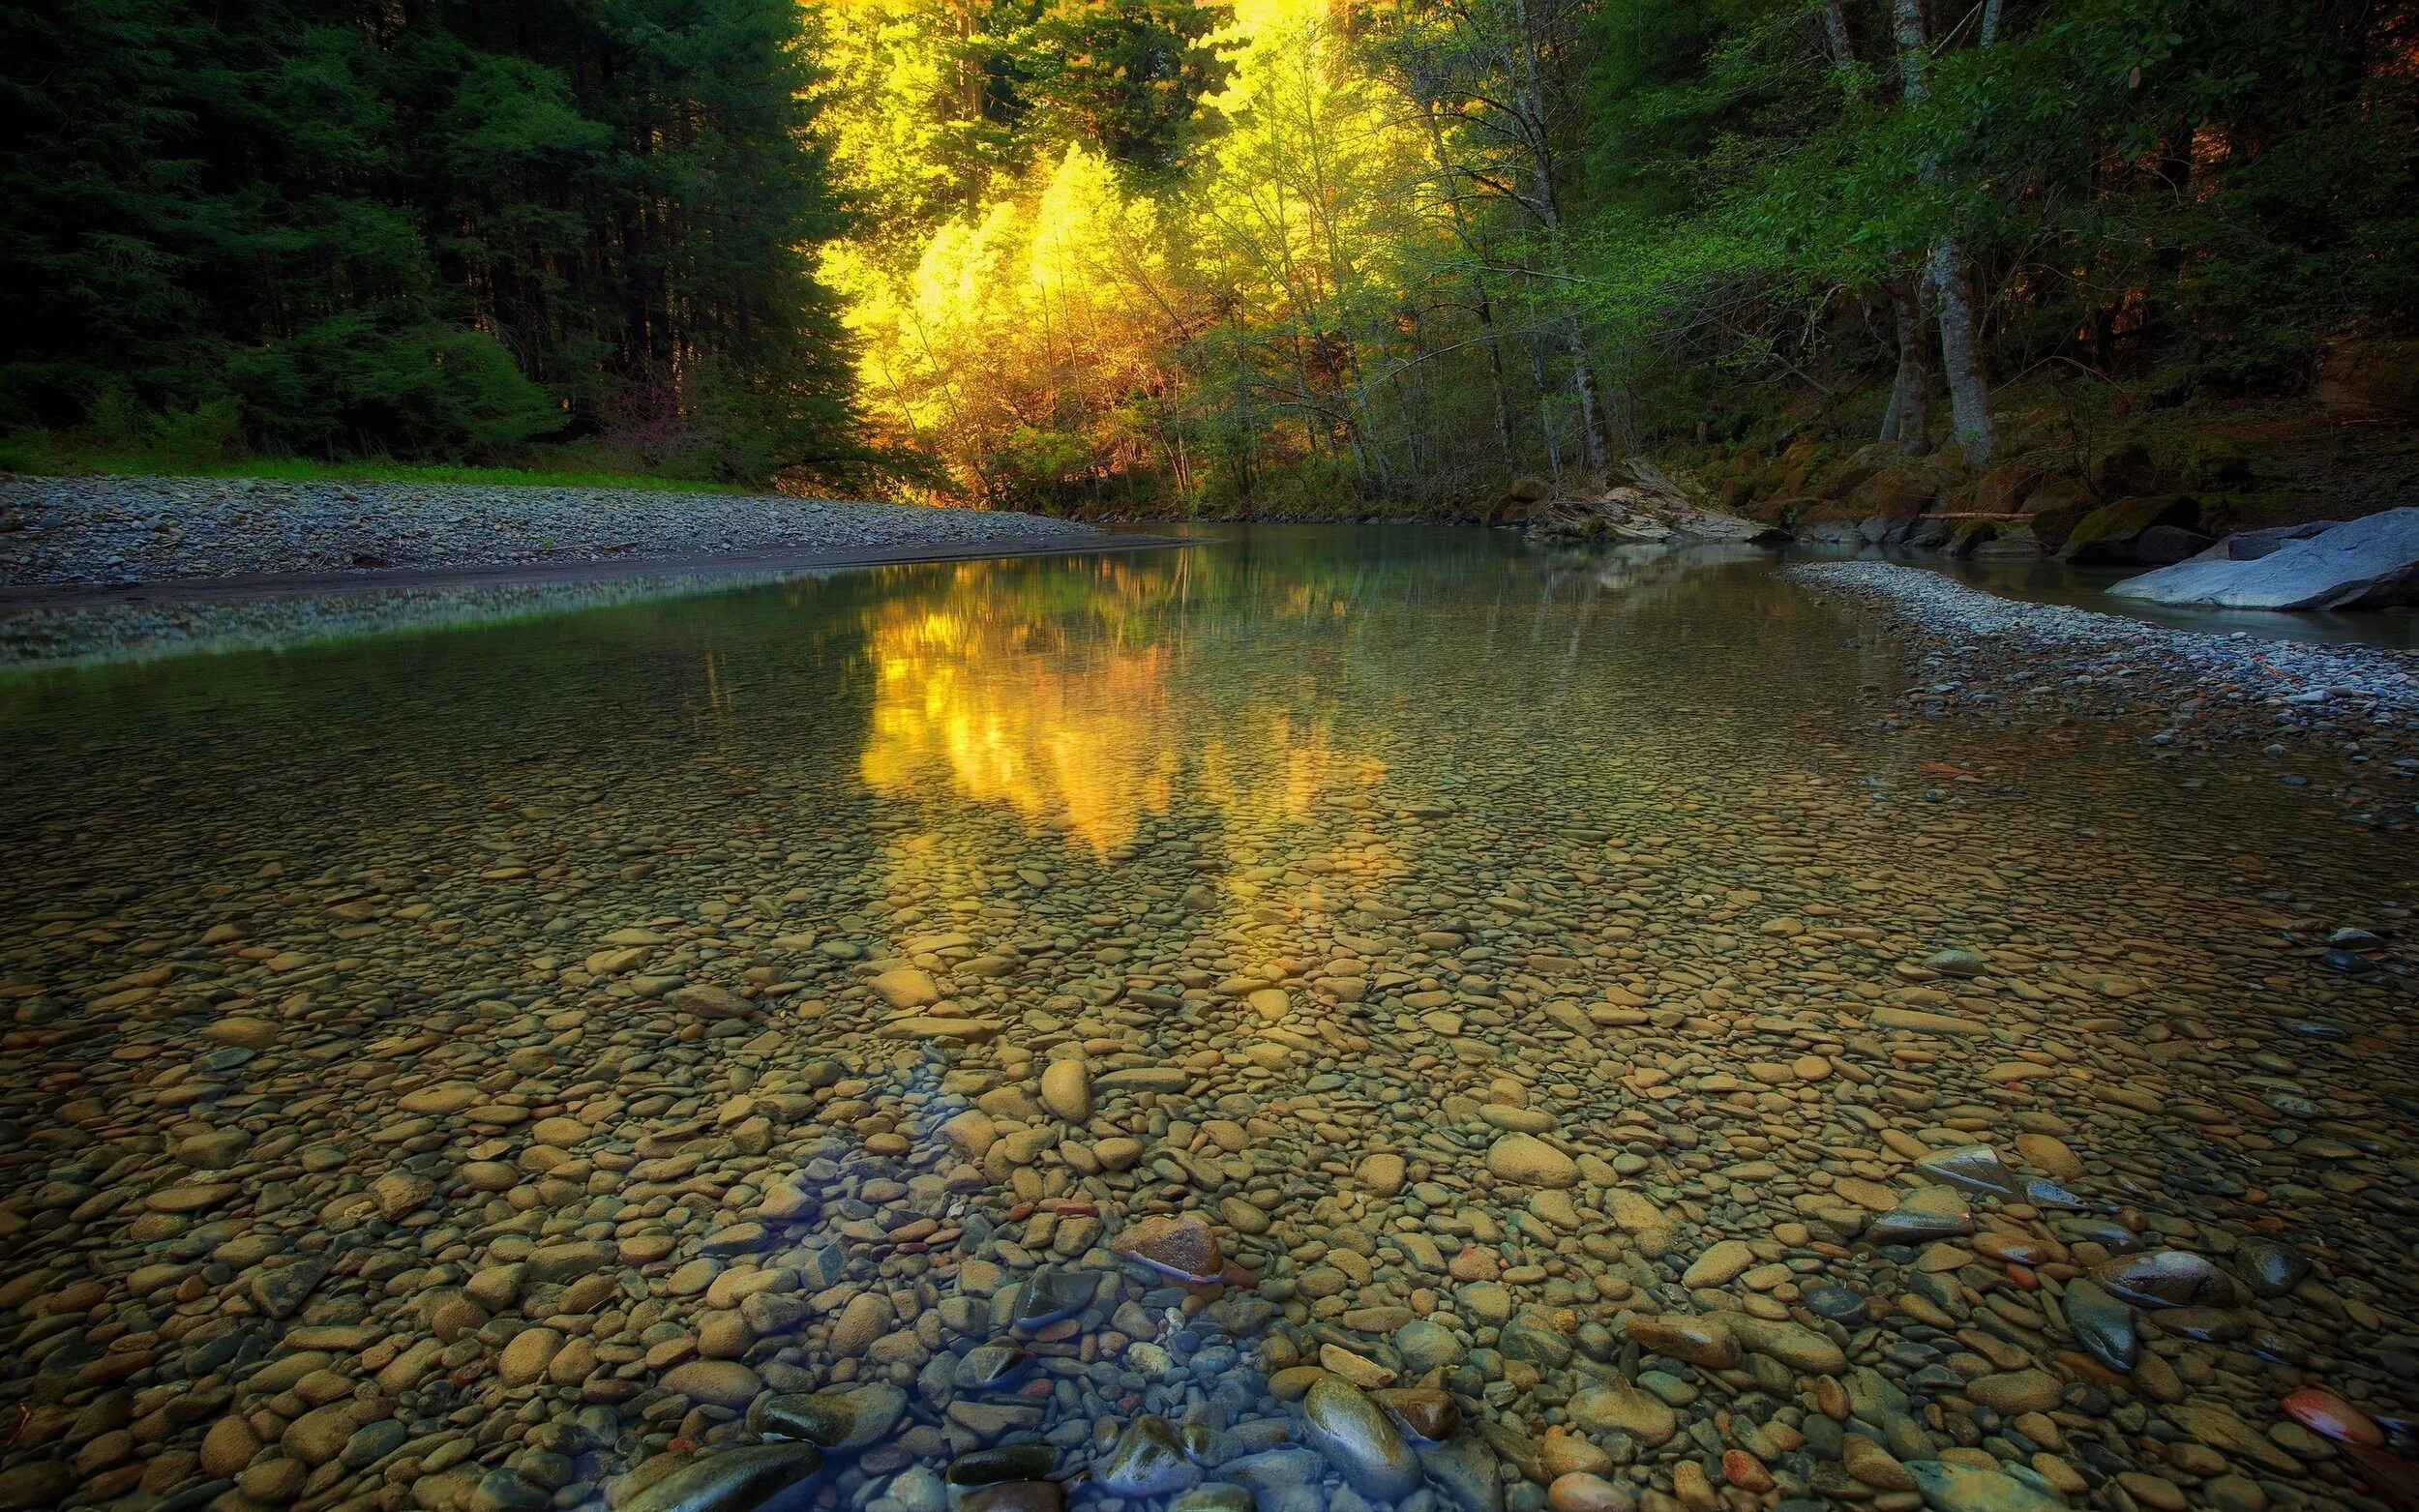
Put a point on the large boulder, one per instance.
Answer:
(2371, 563)
(1891, 503)
(2160, 545)
(2249, 545)
(2113, 532)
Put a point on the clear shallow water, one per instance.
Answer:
(453, 1069)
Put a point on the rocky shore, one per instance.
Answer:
(2356, 708)
(57, 532)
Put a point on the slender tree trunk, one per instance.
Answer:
(1835, 35)
(1545, 411)
(1903, 422)
(1594, 437)
(1969, 392)
(1482, 305)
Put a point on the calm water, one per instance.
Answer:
(1320, 1018)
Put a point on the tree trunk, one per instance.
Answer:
(1481, 304)
(1594, 439)
(1835, 35)
(1969, 392)
(1903, 422)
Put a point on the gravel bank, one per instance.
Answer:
(59, 532)
(93, 634)
(1976, 652)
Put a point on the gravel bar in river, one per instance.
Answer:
(110, 530)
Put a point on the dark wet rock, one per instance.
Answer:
(2106, 1233)
(1920, 1217)
(1829, 1299)
(34, 1483)
(1016, 1496)
(2269, 1268)
(2102, 1324)
(753, 1478)
(1342, 1423)
(2345, 961)
(1050, 1294)
(1003, 1463)
(1956, 963)
(2169, 1278)
(1955, 1487)
(282, 1292)
(1425, 1346)
(501, 1490)
(1979, 1170)
(2209, 1324)
(1534, 1339)
(989, 1367)
(1145, 1460)
(846, 1418)
(1465, 1474)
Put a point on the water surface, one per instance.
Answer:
(460, 1068)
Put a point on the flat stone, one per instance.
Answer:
(1525, 1160)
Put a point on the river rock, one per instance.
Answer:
(1525, 1160)
(1183, 1246)
(1145, 1460)
(2169, 1278)
(768, 1477)
(2101, 1323)
(1697, 1341)
(1933, 1213)
(724, 1384)
(1066, 1090)
(1465, 1472)
(848, 1417)
(1356, 1436)
(2270, 1268)
(1958, 1487)
(1719, 1266)
(2366, 563)
(906, 987)
(1619, 1406)
(1794, 1345)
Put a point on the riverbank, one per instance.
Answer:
(2357, 707)
(84, 533)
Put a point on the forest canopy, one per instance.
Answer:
(1160, 255)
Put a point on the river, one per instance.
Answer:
(1181, 1025)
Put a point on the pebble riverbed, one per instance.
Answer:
(81, 530)
(1324, 1021)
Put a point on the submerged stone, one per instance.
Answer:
(751, 1478)
(2169, 1278)
(1355, 1434)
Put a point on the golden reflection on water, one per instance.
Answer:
(1059, 711)
(1010, 689)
